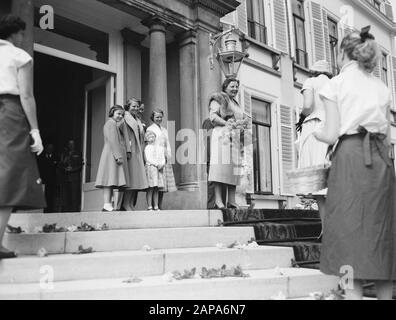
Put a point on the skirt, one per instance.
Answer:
(312, 152)
(359, 226)
(224, 159)
(155, 177)
(169, 179)
(20, 183)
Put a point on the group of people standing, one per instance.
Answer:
(135, 158)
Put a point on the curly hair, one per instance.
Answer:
(9, 25)
(127, 107)
(365, 51)
(227, 82)
(156, 111)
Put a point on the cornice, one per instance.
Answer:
(378, 16)
(219, 7)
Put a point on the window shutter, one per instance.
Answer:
(394, 82)
(319, 47)
(287, 152)
(389, 11)
(377, 70)
(242, 17)
(247, 104)
(281, 41)
(326, 36)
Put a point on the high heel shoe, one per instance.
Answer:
(219, 208)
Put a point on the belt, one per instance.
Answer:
(378, 140)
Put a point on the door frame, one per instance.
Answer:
(109, 82)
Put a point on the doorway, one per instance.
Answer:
(61, 95)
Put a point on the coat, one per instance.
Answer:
(137, 174)
(111, 174)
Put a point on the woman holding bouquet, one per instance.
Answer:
(224, 171)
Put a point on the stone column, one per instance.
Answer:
(132, 63)
(158, 89)
(189, 112)
(25, 10)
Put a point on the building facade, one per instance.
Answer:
(91, 54)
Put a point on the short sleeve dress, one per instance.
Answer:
(20, 183)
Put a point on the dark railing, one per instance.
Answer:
(302, 58)
(257, 31)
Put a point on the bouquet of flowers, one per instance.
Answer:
(234, 128)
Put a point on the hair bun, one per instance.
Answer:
(365, 34)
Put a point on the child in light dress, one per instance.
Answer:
(155, 163)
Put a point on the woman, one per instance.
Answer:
(113, 171)
(312, 152)
(162, 139)
(20, 183)
(137, 175)
(359, 224)
(224, 158)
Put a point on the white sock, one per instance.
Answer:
(108, 207)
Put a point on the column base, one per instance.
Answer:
(189, 186)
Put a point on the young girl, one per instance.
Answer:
(113, 169)
(359, 226)
(155, 162)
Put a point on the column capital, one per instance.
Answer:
(155, 23)
(186, 38)
(131, 37)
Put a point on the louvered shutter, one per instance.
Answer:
(247, 104)
(319, 50)
(389, 11)
(281, 37)
(242, 17)
(394, 82)
(287, 152)
(326, 36)
(377, 70)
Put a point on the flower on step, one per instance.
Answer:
(81, 250)
(223, 272)
(42, 253)
(252, 245)
(38, 230)
(147, 248)
(279, 296)
(14, 230)
(278, 271)
(72, 228)
(168, 277)
(221, 246)
(133, 279)
(188, 274)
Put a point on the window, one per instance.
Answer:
(261, 111)
(377, 5)
(299, 30)
(256, 20)
(384, 68)
(333, 35)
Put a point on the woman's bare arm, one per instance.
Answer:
(331, 130)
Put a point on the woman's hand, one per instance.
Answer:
(119, 161)
(37, 146)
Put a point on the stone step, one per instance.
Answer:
(261, 285)
(67, 267)
(127, 240)
(121, 220)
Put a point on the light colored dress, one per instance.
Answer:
(137, 176)
(225, 156)
(312, 152)
(162, 140)
(111, 174)
(155, 159)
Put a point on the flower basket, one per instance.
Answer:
(308, 180)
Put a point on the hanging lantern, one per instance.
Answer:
(228, 55)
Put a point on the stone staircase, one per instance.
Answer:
(180, 240)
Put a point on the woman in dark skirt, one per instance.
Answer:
(20, 183)
(359, 229)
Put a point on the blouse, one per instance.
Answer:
(316, 84)
(362, 100)
(12, 59)
(154, 155)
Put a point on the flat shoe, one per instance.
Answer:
(7, 255)
(104, 210)
(232, 206)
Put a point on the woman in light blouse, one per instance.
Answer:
(359, 228)
(20, 183)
